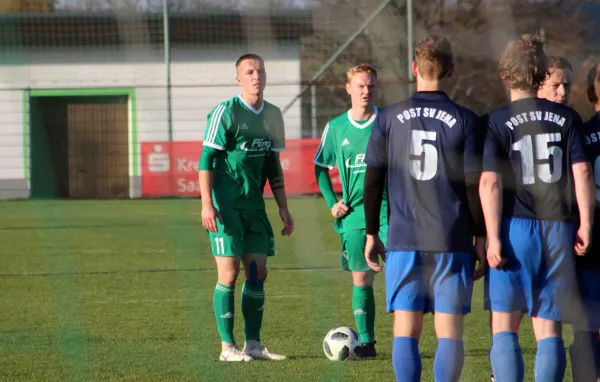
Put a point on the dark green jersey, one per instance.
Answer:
(343, 144)
(244, 136)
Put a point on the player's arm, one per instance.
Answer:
(376, 159)
(473, 151)
(275, 177)
(585, 189)
(274, 174)
(324, 161)
(215, 140)
(490, 192)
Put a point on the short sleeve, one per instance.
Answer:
(493, 153)
(278, 134)
(475, 130)
(577, 144)
(217, 127)
(325, 155)
(376, 155)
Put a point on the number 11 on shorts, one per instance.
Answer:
(220, 246)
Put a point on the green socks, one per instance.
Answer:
(363, 305)
(223, 305)
(253, 305)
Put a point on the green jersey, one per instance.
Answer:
(245, 137)
(344, 144)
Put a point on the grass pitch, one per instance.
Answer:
(122, 290)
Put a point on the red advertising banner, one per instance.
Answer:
(171, 168)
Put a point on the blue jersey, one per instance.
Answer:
(591, 132)
(427, 143)
(532, 143)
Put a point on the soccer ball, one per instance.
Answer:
(340, 344)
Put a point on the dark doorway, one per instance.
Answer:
(79, 147)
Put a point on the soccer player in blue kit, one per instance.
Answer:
(585, 354)
(427, 146)
(535, 177)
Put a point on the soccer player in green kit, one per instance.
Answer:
(343, 144)
(242, 139)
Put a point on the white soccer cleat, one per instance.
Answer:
(233, 354)
(260, 352)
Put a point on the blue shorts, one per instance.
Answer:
(429, 282)
(589, 289)
(539, 276)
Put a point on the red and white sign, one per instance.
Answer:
(171, 168)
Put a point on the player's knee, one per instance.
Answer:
(363, 279)
(262, 273)
(228, 276)
(449, 325)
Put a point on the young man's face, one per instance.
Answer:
(362, 89)
(557, 86)
(251, 76)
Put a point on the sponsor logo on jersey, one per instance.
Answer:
(244, 126)
(359, 161)
(257, 144)
(345, 142)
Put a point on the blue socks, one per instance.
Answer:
(449, 360)
(585, 356)
(406, 359)
(506, 357)
(550, 360)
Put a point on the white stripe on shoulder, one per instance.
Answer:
(214, 123)
(208, 144)
(322, 143)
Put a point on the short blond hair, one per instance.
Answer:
(434, 57)
(360, 68)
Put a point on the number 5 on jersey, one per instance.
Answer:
(424, 166)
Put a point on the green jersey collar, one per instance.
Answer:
(360, 125)
(257, 112)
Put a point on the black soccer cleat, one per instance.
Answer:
(366, 350)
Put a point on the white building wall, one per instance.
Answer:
(201, 77)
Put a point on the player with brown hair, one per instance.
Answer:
(428, 149)
(557, 86)
(533, 156)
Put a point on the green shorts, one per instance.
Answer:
(242, 232)
(353, 249)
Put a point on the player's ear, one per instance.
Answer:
(415, 71)
(591, 94)
(348, 88)
(238, 80)
(451, 70)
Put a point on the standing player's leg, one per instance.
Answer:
(406, 297)
(363, 298)
(508, 289)
(556, 299)
(451, 284)
(226, 246)
(258, 246)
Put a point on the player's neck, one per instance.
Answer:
(429, 86)
(362, 113)
(597, 107)
(517, 94)
(253, 100)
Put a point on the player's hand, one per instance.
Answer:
(480, 257)
(582, 241)
(494, 254)
(210, 215)
(288, 221)
(339, 210)
(373, 249)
